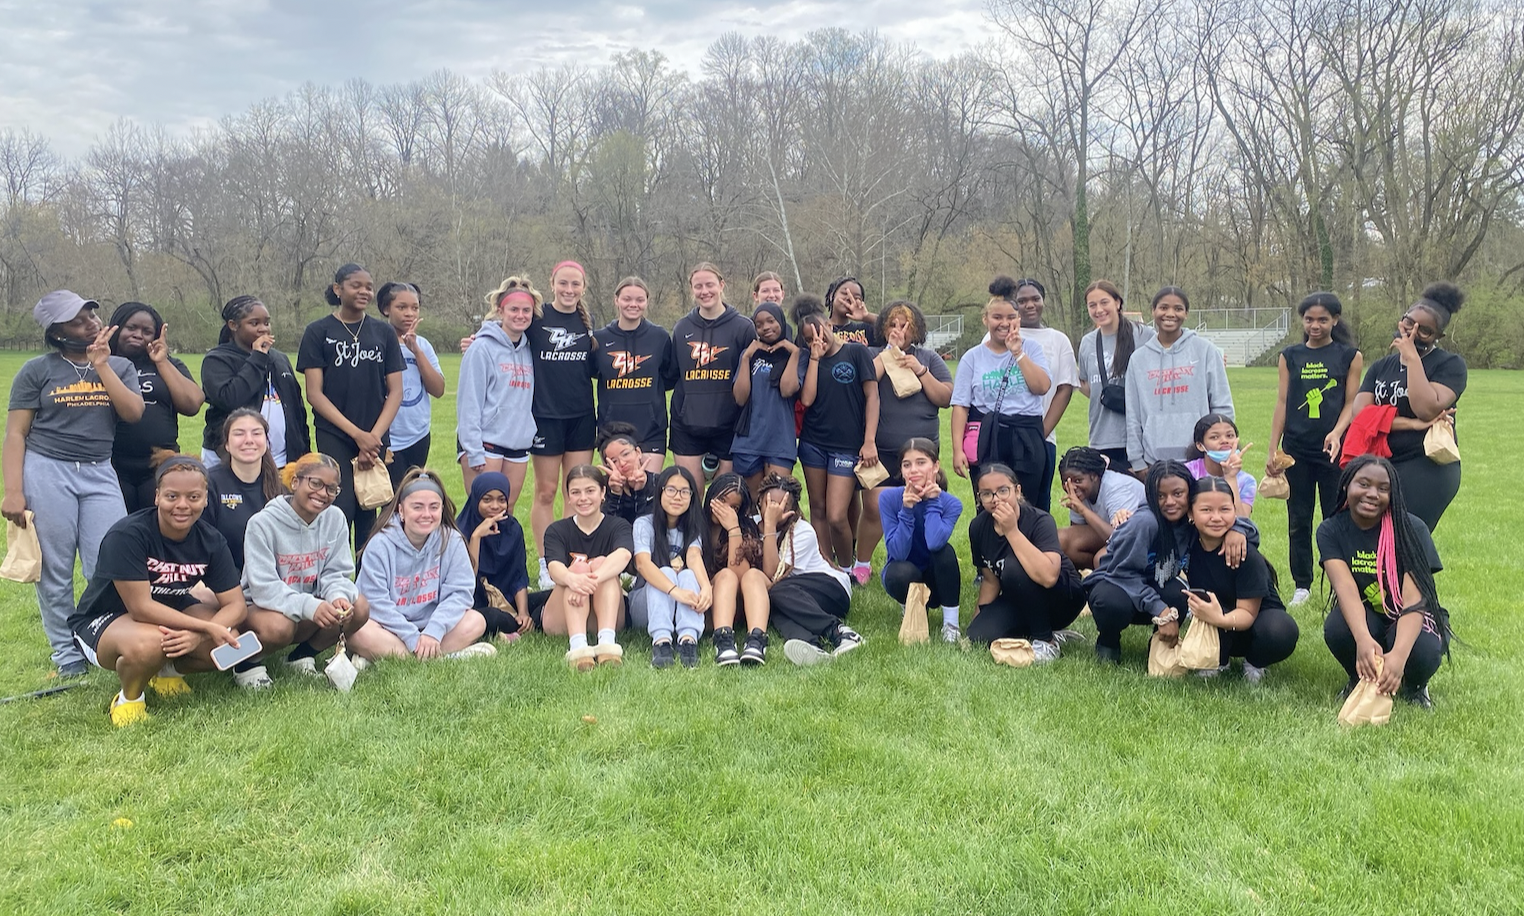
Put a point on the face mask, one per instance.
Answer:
(1219, 456)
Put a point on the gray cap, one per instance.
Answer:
(59, 306)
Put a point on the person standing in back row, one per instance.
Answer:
(169, 392)
(635, 366)
(353, 369)
(411, 432)
(1103, 356)
(1173, 380)
(1063, 371)
(245, 370)
(709, 341)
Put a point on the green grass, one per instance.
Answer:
(901, 780)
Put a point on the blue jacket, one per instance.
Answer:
(915, 534)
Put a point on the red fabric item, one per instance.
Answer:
(1367, 433)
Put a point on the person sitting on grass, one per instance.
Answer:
(585, 553)
(495, 541)
(137, 616)
(245, 480)
(1098, 499)
(669, 556)
(417, 576)
(1217, 454)
(1380, 562)
(1243, 603)
(1029, 589)
(733, 554)
(810, 597)
(918, 524)
(298, 572)
(1138, 581)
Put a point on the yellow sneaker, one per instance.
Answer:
(167, 687)
(126, 712)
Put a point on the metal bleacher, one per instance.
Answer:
(1243, 335)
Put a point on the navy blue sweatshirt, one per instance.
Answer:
(635, 370)
(708, 352)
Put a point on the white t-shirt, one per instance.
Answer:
(801, 550)
(1062, 368)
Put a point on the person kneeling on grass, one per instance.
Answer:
(918, 523)
(297, 572)
(585, 553)
(677, 589)
(1098, 499)
(1029, 589)
(809, 597)
(418, 579)
(734, 552)
(1380, 563)
(137, 616)
(495, 541)
(1243, 603)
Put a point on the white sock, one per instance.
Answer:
(578, 641)
(605, 637)
(122, 696)
(861, 563)
(949, 616)
(544, 567)
(169, 670)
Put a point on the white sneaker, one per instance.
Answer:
(1063, 636)
(1253, 675)
(475, 650)
(1044, 653)
(1300, 596)
(307, 666)
(253, 679)
(546, 583)
(361, 663)
(1211, 672)
(802, 653)
(950, 633)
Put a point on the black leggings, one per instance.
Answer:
(137, 485)
(1312, 480)
(343, 450)
(1271, 639)
(404, 460)
(1423, 660)
(808, 606)
(1114, 611)
(942, 576)
(1428, 488)
(1015, 441)
(1027, 610)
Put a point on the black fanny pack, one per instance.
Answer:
(1113, 394)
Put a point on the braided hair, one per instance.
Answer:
(1165, 548)
(237, 309)
(837, 284)
(790, 487)
(717, 541)
(1083, 459)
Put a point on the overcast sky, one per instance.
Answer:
(69, 68)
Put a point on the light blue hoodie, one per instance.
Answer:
(417, 591)
(495, 398)
(1168, 390)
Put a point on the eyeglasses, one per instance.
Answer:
(1004, 492)
(675, 492)
(332, 489)
(1419, 331)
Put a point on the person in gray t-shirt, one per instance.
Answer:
(1098, 499)
(1108, 428)
(64, 408)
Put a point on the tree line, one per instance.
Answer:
(1249, 152)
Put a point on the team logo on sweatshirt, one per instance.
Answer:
(626, 362)
(704, 353)
(562, 339)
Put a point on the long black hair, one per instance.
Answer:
(1210, 484)
(1165, 548)
(691, 526)
(1331, 304)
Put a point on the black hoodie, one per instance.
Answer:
(233, 377)
(708, 351)
(635, 370)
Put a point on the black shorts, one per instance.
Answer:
(699, 442)
(557, 436)
(88, 633)
(516, 455)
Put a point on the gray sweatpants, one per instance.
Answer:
(664, 613)
(73, 503)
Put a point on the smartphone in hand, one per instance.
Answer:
(226, 656)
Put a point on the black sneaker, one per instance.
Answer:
(687, 653)
(72, 670)
(1418, 696)
(1106, 655)
(846, 639)
(725, 647)
(663, 655)
(1348, 688)
(755, 652)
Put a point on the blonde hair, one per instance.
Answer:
(702, 266)
(495, 298)
(587, 318)
(763, 277)
(304, 464)
(632, 281)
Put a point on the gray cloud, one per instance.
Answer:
(69, 68)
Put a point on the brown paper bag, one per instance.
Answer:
(914, 629)
(373, 488)
(905, 382)
(1366, 705)
(1014, 652)
(23, 552)
(871, 477)
(1282, 460)
(1275, 487)
(495, 597)
(1201, 646)
(1439, 443)
(1164, 661)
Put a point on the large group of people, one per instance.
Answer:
(266, 533)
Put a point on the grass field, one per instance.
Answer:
(900, 780)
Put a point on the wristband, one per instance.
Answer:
(923, 372)
(1169, 615)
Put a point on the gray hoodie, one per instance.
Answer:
(292, 567)
(417, 591)
(495, 397)
(1168, 390)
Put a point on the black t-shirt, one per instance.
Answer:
(230, 503)
(134, 550)
(834, 422)
(160, 426)
(1208, 569)
(1339, 538)
(564, 541)
(355, 359)
(1315, 395)
(858, 332)
(563, 375)
(989, 550)
(1387, 379)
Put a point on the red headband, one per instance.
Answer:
(513, 293)
(557, 269)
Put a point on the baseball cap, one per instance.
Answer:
(59, 306)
